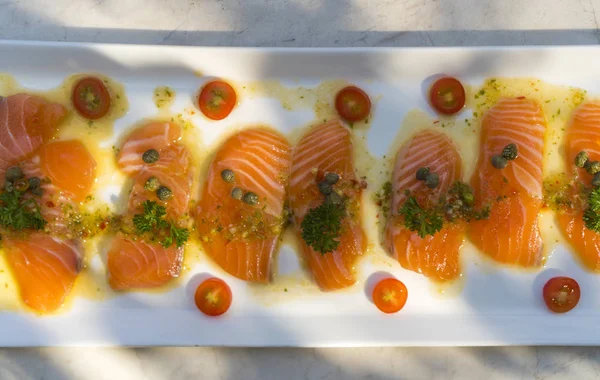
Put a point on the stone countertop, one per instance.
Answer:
(303, 23)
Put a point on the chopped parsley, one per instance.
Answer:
(152, 221)
(18, 213)
(322, 227)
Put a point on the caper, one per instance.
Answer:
(468, 198)
(164, 193)
(250, 198)
(324, 187)
(332, 178)
(333, 198)
(38, 191)
(14, 173)
(422, 173)
(499, 162)
(8, 186)
(152, 184)
(581, 159)
(21, 185)
(34, 182)
(150, 156)
(510, 152)
(593, 167)
(237, 193)
(432, 180)
(596, 180)
(228, 175)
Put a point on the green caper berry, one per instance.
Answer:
(21, 185)
(422, 174)
(499, 162)
(250, 198)
(237, 193)
(8, 186)
(34, 182)
(593, 167)
(468, 198)
(581, 159)
(150, 156)
(14, 173)
(164, 193)
(432, 180)
(332, 178)
(324, 187)
(333, 198)
(596, 180)
(152, 184)
(510, 152)
(38, 191)
(228, 175)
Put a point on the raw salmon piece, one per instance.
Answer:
(240, 237)
(327, 148)
(155, 135)
(134, 264)
(45, 264)
(44, 267)
(511, 235)
(437, 256)
(583, 134)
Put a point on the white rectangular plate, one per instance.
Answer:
(496, 307)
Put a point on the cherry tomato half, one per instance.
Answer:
(217, 99)
(561, 294)
(91, 98)
(390, 295)
(447, 96)
(213, 297)
(352, 104)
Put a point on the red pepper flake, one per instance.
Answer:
(102, 226)
(520, 97)
(50, 204)
(363, 184)
(435, 122)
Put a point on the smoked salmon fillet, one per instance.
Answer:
(133, 262)
(327, 148)
(511, 235)
(435, 256)
(240, 217)
(26, 122)
(583, 134)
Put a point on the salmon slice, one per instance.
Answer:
(327, 148)
(511, 235)
(435, 256)
(241, 237)
(26, 122)
(583, 134)
(155, 135)
(45, 264)
(132, 262)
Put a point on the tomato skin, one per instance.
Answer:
(352, 104)
(213, 297)
(91, 98)
(390, 295)
(561, 294)
(217, 99)
(447, 96)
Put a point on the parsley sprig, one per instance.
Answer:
(19, 213)
(591, 216)
(152, 221)
(424, 222)
(322, 226)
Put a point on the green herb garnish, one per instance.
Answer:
(153, 221)
(18, 213)
(322, 226)
(424, 222)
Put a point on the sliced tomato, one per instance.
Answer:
(390, 295)
(213, 297)
(352, 104)
(447, 96)
(561, 294)
(91, 98)
(217, 99)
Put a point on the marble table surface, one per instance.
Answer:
(303, 23)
